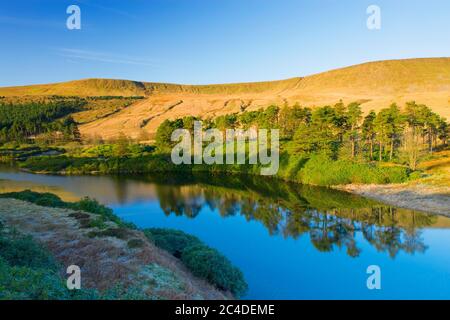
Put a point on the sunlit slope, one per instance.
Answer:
(88, 87)
(375, 84)
(104, 87)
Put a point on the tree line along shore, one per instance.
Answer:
(325, 146)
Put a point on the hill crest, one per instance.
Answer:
(376, 84)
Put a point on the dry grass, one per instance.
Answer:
(437, 169)
(429, 194)
(418, 196)
(105, 261)
(376, 84)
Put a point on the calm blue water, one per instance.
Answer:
(291, 242)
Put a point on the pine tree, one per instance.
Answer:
(340, 120)
(291, 118)
(381, 123)
(76, 133)
(164, 134)
(353, 116)
(394, 128)
(122, 144)
(368, 131)
(443, 131)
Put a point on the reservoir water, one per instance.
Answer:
(290, 241)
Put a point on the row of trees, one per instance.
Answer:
(340, 130)
(343, 131)
(63, 130)
(23, 122)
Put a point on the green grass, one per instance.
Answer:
(16, 152)
(29, 271)
(322, 171)
(317, 170)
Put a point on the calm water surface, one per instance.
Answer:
(291, 242)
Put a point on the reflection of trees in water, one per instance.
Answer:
(331, 219)
(173, 201)
(327, 231)
(390, 231)
(120, 188)
(383, 227)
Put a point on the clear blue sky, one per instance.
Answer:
(210, 41)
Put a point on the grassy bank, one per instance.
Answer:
(430, 192)
(314, 170)
(99, 222)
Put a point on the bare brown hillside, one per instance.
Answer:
(376, 84)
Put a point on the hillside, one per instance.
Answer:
(142, 269)
(375, 84)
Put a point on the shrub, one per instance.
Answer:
(42, 199)
(415, 175)
(47, 163)
(119, 233)
(107, 214)
(91, 205)
(25, 283)
(201, 260)
(173, 241)
(97, 223)
(209, 264)
(322, 171)
(290, 165)
(135, 243)
(23, 252)
(29, 271)
(106, 150)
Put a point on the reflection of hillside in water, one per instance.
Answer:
(106, 189)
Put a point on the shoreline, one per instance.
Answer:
(419, 197)
(413, 196)
(125, 257)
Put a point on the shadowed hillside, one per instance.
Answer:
(375, 84)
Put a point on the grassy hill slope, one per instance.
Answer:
(376, 84)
